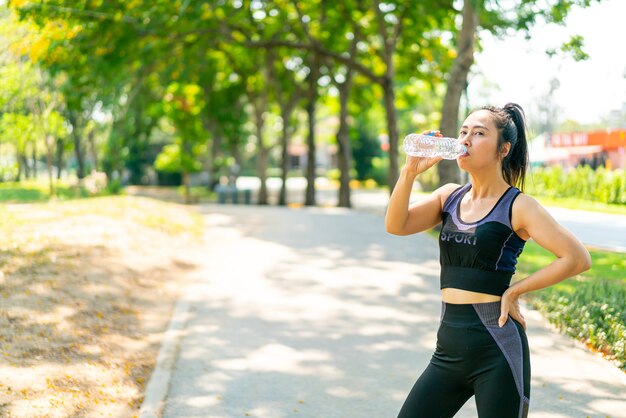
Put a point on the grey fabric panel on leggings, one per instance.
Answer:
(509, 341)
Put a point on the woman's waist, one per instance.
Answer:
(468, 314)
(460, 296)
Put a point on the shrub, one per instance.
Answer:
(380, 171)
(601, 185)
(593, 311)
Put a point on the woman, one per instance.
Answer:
(482, 348)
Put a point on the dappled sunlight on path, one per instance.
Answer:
(320, 312)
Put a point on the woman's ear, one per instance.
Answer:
(504, 151)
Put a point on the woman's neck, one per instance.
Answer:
(488, 184)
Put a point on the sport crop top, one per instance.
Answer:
(479, 256)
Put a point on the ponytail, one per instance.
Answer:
(511, 125)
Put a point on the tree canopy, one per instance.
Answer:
(181, 86)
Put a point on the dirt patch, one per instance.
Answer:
(86, 292)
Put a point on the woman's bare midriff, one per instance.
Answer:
(452, 295)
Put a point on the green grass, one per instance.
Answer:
(581, 204)
(198, 193)
(605, 264)
(38, 191)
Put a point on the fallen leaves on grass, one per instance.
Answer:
(86, 290)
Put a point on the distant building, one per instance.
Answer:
(606, 148)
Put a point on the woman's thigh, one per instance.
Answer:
(436, 394)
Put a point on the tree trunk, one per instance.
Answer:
(388, 51)
(49, 144)
(262, 168)
(20, 167)
(78, 150)
(25, 165)
(94, 153)
(187, 187)
(59, 145)
(457, 81)
(345, 147)
(259, 100)
(309, 198)
(35, 160)
(392, 131)
(284, 160)
(262, 157)
(213, 167)
(287, 111)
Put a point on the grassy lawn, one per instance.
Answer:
(38, 191)
(605, 264)
(580, 204)
(87, 288)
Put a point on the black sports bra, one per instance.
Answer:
(479, 256)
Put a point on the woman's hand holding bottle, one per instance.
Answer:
(417, 165)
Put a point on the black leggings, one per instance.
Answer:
(474, 356)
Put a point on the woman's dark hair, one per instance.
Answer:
(511, 125)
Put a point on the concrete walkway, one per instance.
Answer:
(594, 229)
(319, 313)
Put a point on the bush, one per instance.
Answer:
(601, 185)
(380, 171)
(114, 186)
(593, 311)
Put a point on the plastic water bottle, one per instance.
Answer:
(418, 145)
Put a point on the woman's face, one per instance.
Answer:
(480, 136)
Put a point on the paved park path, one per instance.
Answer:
(319, 313)
(594, 229)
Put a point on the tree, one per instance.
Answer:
(287, 92)
(183, 104)
(456, 84)
(491, 16)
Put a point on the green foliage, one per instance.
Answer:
(573, 47)
(114, 187)
(592, 311)
(365, 148)
(204, 66)
(379, 171)
(173, 160)
(8, 171)
(601, 185)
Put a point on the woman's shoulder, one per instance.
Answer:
(524, 201)
(526, 206)
(444, 192)
(447, 189)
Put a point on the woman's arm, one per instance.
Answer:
(422, 215)
(531, 220)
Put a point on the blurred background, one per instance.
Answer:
(207, 96)
(124, 125)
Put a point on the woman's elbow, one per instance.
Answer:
(392, 226)
(583, 261)
(393, 230)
